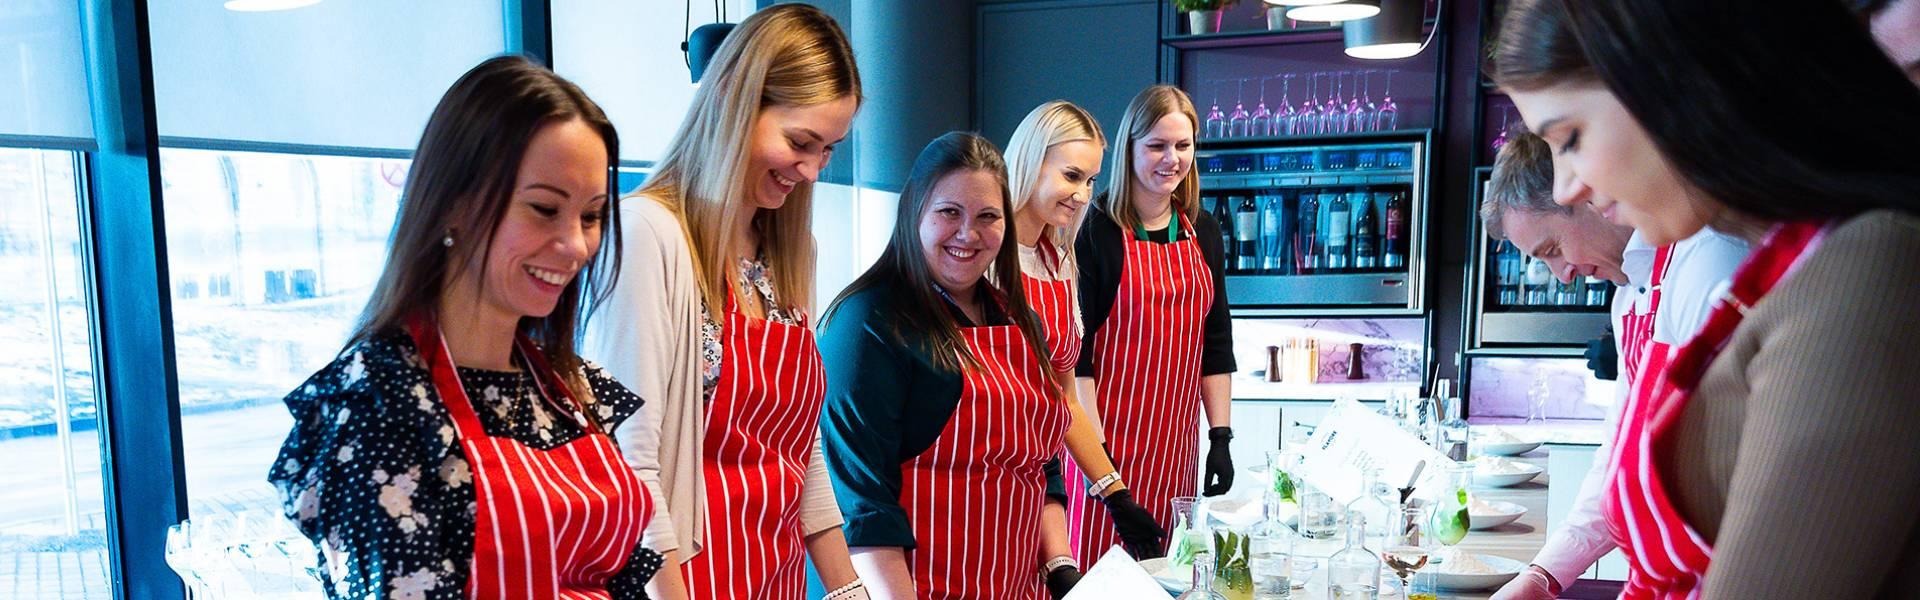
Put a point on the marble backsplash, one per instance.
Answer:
(1500, 386)
(1392, 348)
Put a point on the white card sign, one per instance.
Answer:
(1117, 577)
(1353, 438)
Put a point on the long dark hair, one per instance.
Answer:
(1726, 90)
(917, 313)
(460, 183)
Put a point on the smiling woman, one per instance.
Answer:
(460, 386)
(939, 411)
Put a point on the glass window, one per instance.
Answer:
(344, 74)
(52, 524)
(272, 257)
(627, 56)
(43, 76)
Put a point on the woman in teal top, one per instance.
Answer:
(941, 423)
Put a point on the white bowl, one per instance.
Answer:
(1157, 567)
(1456, 582)
(1483, 477)
(1506, 448)
(1507, 512)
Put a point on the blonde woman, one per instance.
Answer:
(1052, 162)
(711, 320)
(1160, 340)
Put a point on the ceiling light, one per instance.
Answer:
(1350, 10)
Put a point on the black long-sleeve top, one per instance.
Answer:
(1101, 257)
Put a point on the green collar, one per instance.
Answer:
(1174, 234)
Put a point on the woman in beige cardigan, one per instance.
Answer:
(1772, 455)
(710, 321)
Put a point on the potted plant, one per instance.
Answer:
(1203, 16)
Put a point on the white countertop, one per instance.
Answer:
(1579, 432)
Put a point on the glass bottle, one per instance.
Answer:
(1455, 439)
(1246, 234)
(1353, 573)
(1370, 507)
(1307, 234)
(1273, 256)
(1202, 588)
(1338, 224)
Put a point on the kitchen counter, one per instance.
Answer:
(1578, 432)
(1253, 388)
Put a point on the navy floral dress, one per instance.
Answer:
(373, 472)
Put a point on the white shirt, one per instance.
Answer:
(1698, 266)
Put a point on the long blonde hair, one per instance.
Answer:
(1051, 124)
(787, 55)
(1146, 109)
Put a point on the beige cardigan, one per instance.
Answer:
(647, 335)
(1796, 458)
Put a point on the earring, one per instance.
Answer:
(448, 240)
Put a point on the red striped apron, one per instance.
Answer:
(554, 523)
(1636, 330)
(1054, 302)
(1666, 557)
(761, 428)
(1148, 354)
(973, 498)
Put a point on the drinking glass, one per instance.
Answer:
(1354, 111)
(1283, 121)
(1450, 521)
(1500, 139)
(1232, 562)
(1272, 564)
(1216, 120)
(1237, 123)
(1408, 546)
(1319, 518)
(1369, 112)
(1189, 537)
(1262, 122)
(1537, 400)
(1388, 118)
(1279, 465)
(1304, 121)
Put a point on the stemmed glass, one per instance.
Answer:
(1407, 547)
(1216, 120)
(1262, 123)
(1283, 122)
(1324, 119)
(1369, 112)
(1500, 139)
(1305, 123)
(1354, 112)
(1237, 123)
(1338, 118)
(1389, 115)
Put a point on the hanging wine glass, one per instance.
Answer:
(1338, 119)
(1369, 112)
(1353, 106)
(1389, 111)
(1216, 120)
(1325, 120)
(1262, 123)
(1237, 123)
(1283, 122)
(1500, 139)
(1304, 122)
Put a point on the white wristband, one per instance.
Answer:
(1102, 484)
(1061, 561)
(852, 591)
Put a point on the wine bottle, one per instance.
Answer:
(1339, 223)
(1366, 246)
(1273, 254)
(1306, 244)
(1246, 234)
(1395, 255)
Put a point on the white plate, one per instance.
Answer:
(1157, 567)
(1507, 512)
(1453, 582)
(1505, 449)
(1487, 478)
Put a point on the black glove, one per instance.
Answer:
(1603, 357)
(1061, 580)
(1219, 475)
(1139, 533)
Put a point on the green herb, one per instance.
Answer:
(1194, 5)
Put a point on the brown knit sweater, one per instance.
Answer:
(1799, 456)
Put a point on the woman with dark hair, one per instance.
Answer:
(1771, 455)
(458, 448)
(940, 415)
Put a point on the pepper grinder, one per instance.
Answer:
(1273, 364)
(1353, 361)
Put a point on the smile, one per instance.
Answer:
(549, 277)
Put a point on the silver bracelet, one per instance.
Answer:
(1061, 561)
(1102, 484)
